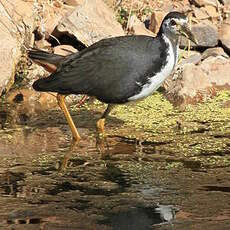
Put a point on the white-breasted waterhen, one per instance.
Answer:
(120, 69)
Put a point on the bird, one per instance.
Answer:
(118, 70)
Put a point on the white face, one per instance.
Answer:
(174, 24)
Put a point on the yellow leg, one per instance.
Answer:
(101, 138)
(61, 103)
(101, 121)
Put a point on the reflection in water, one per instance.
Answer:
(141, 218)
(119, 192)
(114, 174)
(167, 212)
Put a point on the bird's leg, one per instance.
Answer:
(76, 136)
(101, 121)
(101, 129)
(61, 103)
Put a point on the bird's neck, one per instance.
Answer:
(174, 40)
(175, 45)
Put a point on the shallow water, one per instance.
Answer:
(127, 189)
(137, 184)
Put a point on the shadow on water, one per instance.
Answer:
(114, 174)
(9, 183)
(213, 188)
(111, 173)
(63, 187)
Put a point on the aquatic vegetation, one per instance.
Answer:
(200, 131)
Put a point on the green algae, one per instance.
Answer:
(156, 115)
(201, 131)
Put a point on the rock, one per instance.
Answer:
(111, 3)
(72, 2)
(17, 24)
(214, 52)
(9, 51)
(155, 21)
(200, 13)
(224, 36)
(31, 100)
(205, 32)
(226, 104)
(225, 12)
(34, 72)
(19, 19)
(24, 104)
(137, 27)
(196, 83)
(217, 70)
(194, 58)
(200, 3)
(42, 44)
(50, 17)
(90, 22)
(18, 10)
(187, 87)
(9, 55)
(211, 11)
(64, 50)
(58, 4)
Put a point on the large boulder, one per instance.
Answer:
(9, 50)
(89, 22)
(196, 83)
(19, 19)
(214, 52)
(206, 34)
(224, 36)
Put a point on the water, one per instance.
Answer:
(137, 184)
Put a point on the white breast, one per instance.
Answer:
(156, 81)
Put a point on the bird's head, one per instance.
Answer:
(175, 24)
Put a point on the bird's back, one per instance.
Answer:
(111, 70)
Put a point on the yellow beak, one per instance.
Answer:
(186, 32)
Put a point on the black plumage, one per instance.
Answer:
(41, 55)
(109, 69)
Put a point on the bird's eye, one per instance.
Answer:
(173, 22)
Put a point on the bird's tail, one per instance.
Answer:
(47, 60)
(45, 85)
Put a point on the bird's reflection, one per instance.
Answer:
(102, 147)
